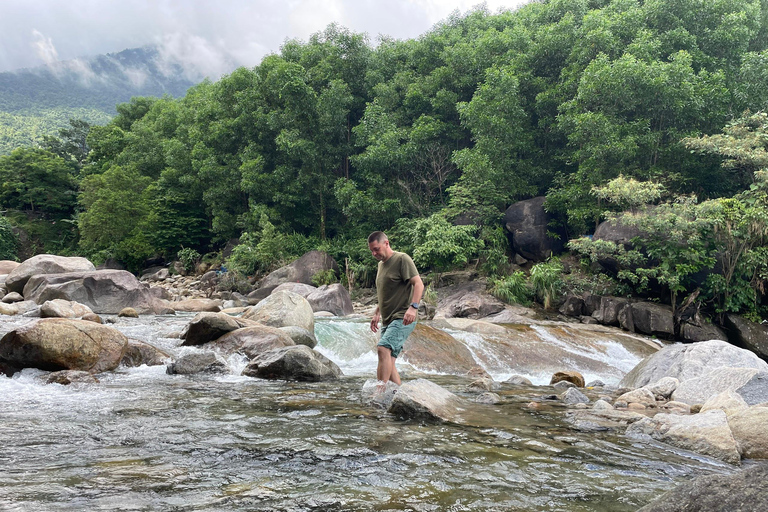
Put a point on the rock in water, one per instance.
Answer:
(44, 264)
(423, 399)
(282, 309)
(296, 362)
(64, 344)
(743, 491)
(376, 393)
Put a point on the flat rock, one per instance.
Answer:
(749, 383)
(297, 362)
(423, 399)
(196, 305)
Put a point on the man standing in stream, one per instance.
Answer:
(398, 289)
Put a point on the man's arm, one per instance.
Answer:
(375, 320)
(418, 290)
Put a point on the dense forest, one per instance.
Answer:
(39, 101)
(648, 112)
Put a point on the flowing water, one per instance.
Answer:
(143, 440)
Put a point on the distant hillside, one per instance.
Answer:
(39, 101)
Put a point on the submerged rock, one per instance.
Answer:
(138, 353)
(300, 336)
(67, 377)
(64, 344)
(297, 362)
(425, 400)
(431, 349)
(197, 362)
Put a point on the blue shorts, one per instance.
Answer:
(394, 334)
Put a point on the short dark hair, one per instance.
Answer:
(377, 236)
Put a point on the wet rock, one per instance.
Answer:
(482, 385)
(562, 385)
(92, 317)
(596, 384)
(430, 349)
(128, 313)
(197, 362)
(596, 420)
(13, 297)
(675, 407)
(300, 336)
(471, 325)
(334, 298)
(518, 380)
(282, 309)
(297, 362)
(138, 353)
(574, 396)
(67, 377)
(743, 491)
(570, 376)
(528, 222)
(104, 291)
(706, 433)
(45, 264)
(252, 341)
(750, 383)
(748, 334)
(602, 405)
(59, 308)
(425, 400)
(748, 428)
(64, 344)
(207, 326)
(488, 398)
(687, 361)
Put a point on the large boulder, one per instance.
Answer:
(207, 327)
(528, 223)
(297, 362)
(281, 309)
(707, 433)
(300, 271)
(196, 305)
(297, 288)
(430, 349)
(334, 298)
(653, 319)
(59, 308)
(748, 428)
(300, 336)
(699, 329)
(424, 400)
(688, 361)
(468, 303)
(104, 291)
(610, 310)
(748, 334)
(749, 383)
(138, 353)
(64, 344)
(743, 491)
(197, 362)
(7, 266)
(252, 341)
(45, 264)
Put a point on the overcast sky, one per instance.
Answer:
(204, 33)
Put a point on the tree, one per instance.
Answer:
(37, 180)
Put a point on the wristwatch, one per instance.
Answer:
(415, 305)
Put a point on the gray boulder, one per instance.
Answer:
(653, 319)
(697, 329)
(281, 309)
(44, 264)
(59, 308)
(528, 223)
(297, 288)
(197, 362)
(334, 298)
(574, 396)
(300, 271)
(297, 362)
(208, 326)
(743, 491)
(252, 341)
(64, 344)
(300, 336)
(573, 306)
(748, 428)
(104, 291)
(609, 310)
(469, 304)
(12, 297)
(423, 399)
(706, 433)
(138, 353)
(748, 335)
(688, 361)
(7, 266)
(196, 305)
(749, 383)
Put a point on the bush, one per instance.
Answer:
(9, 243)
(324, 277)
(512, 289)
(547, 280)
(234, 281)
(188, 258)
(441, 246)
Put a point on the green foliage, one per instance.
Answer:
(441, 246)
(547, 280)
(494, 252)
(324, 277)
(9, 242)
(37, 180)
(234, 281)
(188, 258)
(512, 289)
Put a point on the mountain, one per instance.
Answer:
(39, 101)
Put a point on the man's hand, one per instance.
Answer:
(410, 315)
(375, 321)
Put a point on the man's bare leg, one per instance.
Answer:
(394, 376)
(386, 366)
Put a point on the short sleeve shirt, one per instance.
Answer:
(393, 288)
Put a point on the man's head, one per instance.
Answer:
(378, 243)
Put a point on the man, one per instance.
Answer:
(398, 289)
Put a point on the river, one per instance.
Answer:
(142, 440)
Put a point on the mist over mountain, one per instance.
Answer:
(39, 101)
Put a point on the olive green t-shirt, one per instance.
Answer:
(392, 287)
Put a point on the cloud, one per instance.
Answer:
(44, 47)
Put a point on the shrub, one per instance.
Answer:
(188, 258)
(324, 277)
(512, 289)
(9, 243)
(547, 280)
(442, 246)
